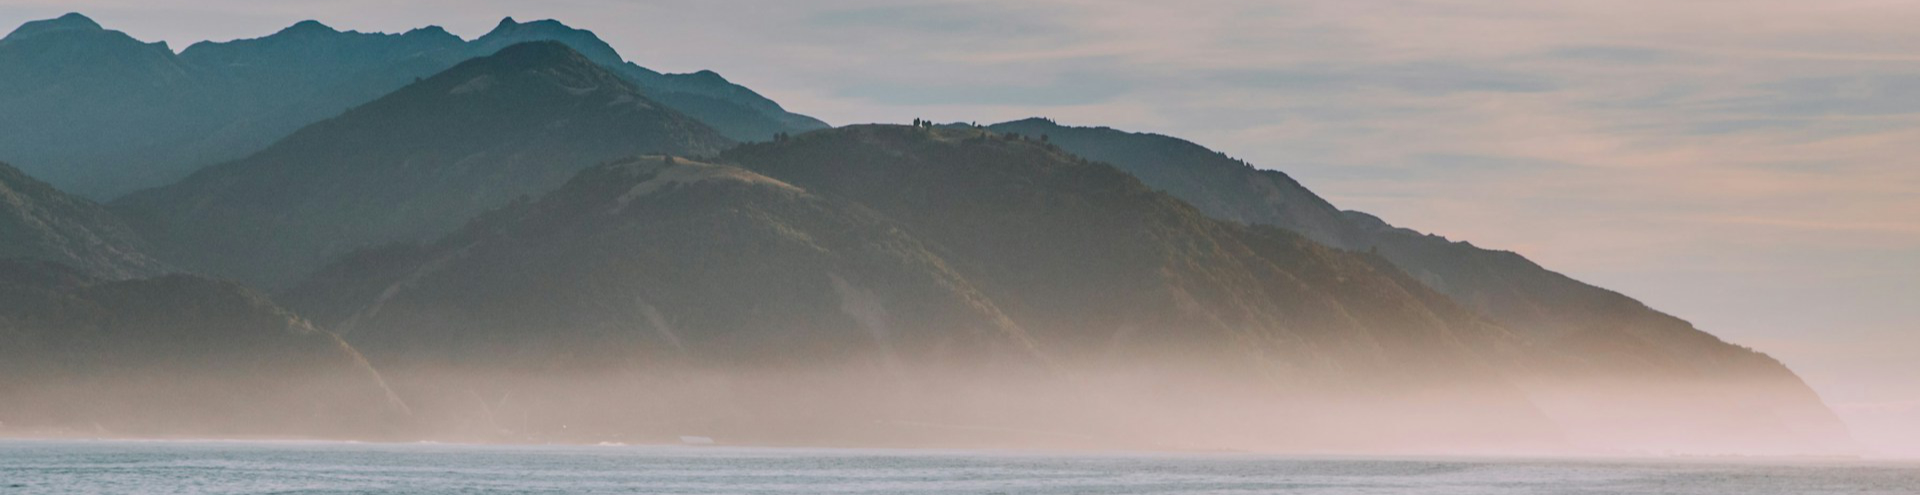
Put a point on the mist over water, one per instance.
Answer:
(37, 467)
(883, 403)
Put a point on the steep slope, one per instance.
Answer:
(1106, 253)
(38, 222)
(175, 355)
(1108, 274)
(410, 166)
(1621, 345)
(657, 257)
(99, 113)
(1219, 185)
(877, 282)
(655, 297)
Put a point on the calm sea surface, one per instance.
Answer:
(123, 467)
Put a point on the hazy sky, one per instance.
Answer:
(1747, 165)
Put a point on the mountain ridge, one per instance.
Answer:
(919, 258)
(69, 21)
(548, 208)
(165, 114)
(1619, 336)
(411, 165)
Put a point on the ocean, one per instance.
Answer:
(165, 467)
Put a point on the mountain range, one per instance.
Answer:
(411, 165)
(99, 113)
(523, 237)
(908, 249)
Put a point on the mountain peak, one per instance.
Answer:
(431, 30)
(536, 53)
(708, 77)
(71, 22)
(510, 32)
(1031, 121)
(508, 26)
(75, 19)
(543, 27)
(548, 71)
(309, 26)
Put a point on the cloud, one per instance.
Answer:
(1063, 90)
(967, 19)
(1613, 54)
(1873, 94)
(1436, 78)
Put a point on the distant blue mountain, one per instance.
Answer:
(411, 165)
(99, 113)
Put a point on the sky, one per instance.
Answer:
(1746, 165)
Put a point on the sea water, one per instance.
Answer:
(154, 467)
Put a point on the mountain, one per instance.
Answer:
(1705, 389)
(736, 111)
(411, 165)
(1105, 252)
(82, 105)
(276, 84)
(898, 277)
(38, 222)
(173, 355)
(641, 300)
(660, 258)
(99, 113)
